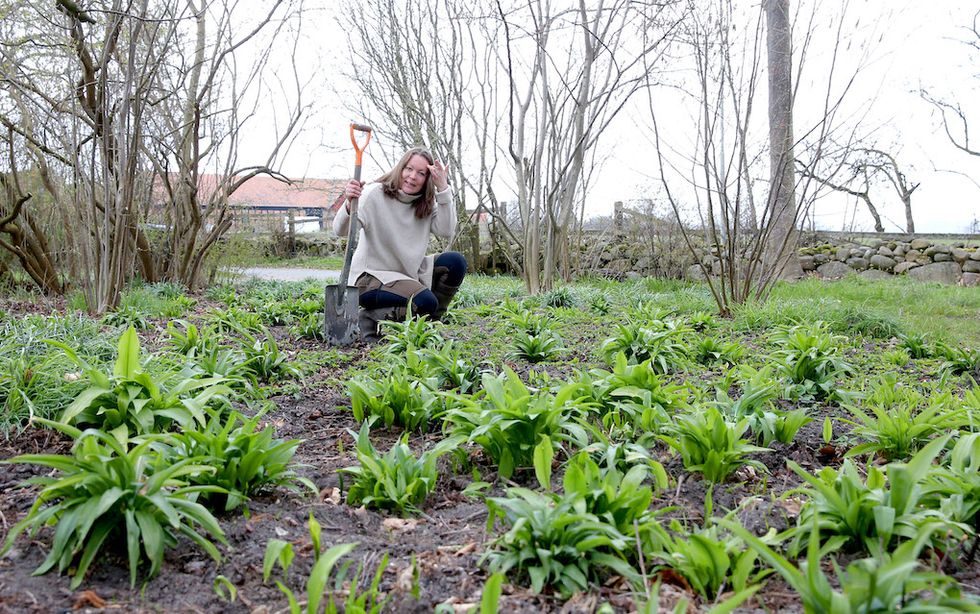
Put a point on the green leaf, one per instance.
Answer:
(320, 575)
(315, 533)
(543, 455)
(727, 606)
(92, 545)
(128, 360)
(491, 593)
(132, 545)
(220, 585)
(276, 550)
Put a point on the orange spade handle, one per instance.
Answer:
(358, 148)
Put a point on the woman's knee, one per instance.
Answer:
(424, 303)
(377, 299)
(455, 264)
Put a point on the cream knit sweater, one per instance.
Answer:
(392, 242)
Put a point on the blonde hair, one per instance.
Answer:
(391, 182)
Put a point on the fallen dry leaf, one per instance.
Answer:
(580, 602)
(672, 578)
(458, 605)
(281, 532)
(470, 547)
(400, 525)
(330, 495)
(88, 599)
(406, 579)
(792, 506)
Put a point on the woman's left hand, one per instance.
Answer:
(440, 175)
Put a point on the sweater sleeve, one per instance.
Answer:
(444, 214)
(341, 222)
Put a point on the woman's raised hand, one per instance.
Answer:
(440, 175)
(353, 189)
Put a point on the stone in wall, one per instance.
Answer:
(920, 244)
(882, 262)
(904, 267)
(971, 280)
(875, 275)
(941, 272)
(834, 270)
(971, 266)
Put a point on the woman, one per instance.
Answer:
(397, 214)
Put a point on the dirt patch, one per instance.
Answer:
(433, 559)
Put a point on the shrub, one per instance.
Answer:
(869, 515)
(398, 397)
(711, 560)
(808, 358)
(396, 480)
(710, 445)
(104, 493)
(535, 348)
(664, 348)
(553, 542)
(890, 582)
(130, 401)
(518, 427)
(245, 459)
(617, 497)
(900, 420)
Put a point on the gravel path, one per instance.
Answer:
(291, 274)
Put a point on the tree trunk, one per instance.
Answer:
(907, 201)
(780, 258)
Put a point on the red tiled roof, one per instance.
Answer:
(264, 191)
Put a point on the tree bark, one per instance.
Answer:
(780, 255)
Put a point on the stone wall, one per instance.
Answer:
(921, 259)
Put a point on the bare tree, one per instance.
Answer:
(731, 49)
(25, 239)
(954, 117)
(432, 55)
(883, 163)
(570, 72)
(866, 167)
(75, 91)
(207, 104)
(846, 173)
(779, 254)
(107, 97)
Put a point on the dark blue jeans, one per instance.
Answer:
(449, 268)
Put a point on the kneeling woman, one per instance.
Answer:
(397, 214)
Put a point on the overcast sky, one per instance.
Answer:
(920, 47)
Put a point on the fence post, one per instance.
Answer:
(291, 234)
(618, 222)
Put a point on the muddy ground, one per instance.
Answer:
(445, 542)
